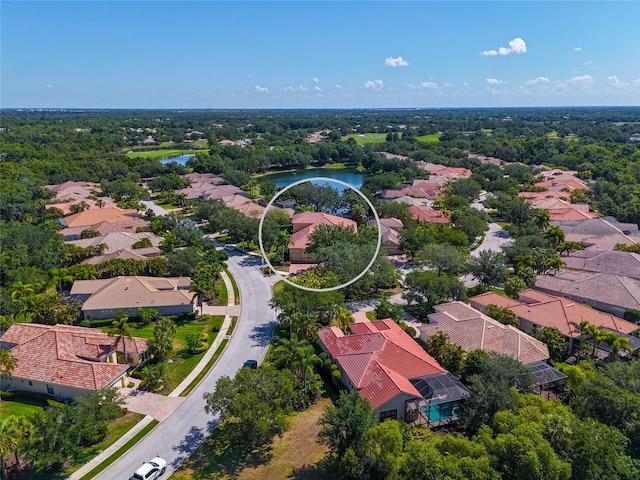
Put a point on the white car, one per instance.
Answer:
(150, 470)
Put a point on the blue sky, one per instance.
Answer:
(237, 54)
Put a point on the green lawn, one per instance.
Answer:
(364, 138)
(183, 362)
(19, 408)
(432, 138)
(371, 316)
(162, 153)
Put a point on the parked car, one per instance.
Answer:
(150, 470)
(250, 364)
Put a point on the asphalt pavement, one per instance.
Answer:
(182, 431)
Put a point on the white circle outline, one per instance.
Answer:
(323, 179)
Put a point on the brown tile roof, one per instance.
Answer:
(107, 227)
(616, 290)
(74, 190)
(118, 240)
(379, 358)
(550, 311)
(547, 194)
(471, 330)
(569, 213)
(66, 355)
(66, 206)
(137, 254)
(92, 217)
(133, 292)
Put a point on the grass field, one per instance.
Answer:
(297, 454)
(158, 154)
(364, 138)
(20, 408)
(432, 138)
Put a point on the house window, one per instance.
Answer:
(49, 389)
(392, 414)
(30, 383)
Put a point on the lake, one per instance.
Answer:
(350, 176)
(182, 159)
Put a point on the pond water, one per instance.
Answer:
(182, 159)
(350, 176)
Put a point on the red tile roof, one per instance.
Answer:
(66, 355)
(425, 214)
(551, 311)
(379, 359)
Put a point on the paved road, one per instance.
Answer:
(495, 238)
(157, 209)
(181, 433)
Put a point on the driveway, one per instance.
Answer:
(495, 239)
(187, 426)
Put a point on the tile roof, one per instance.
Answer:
(250, 209)
(599, 226)
(471, 330)
(551, 311)
(614, 262)
(66, 355)
(569, 213)
(616, 290)
(379, 358)
(133, 292)
(425, 214)
(106, 227)
(92, 217)
(118, 240)
(74, 190)
(305, 223)
(66, 206)
(136, 254)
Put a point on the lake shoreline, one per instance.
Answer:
(327, 166)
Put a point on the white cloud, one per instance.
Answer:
(317, 88)
(48, 85)
(315, 80)
(338, 87)
(448, 84)
(577, 49)
(581, 80)
(260, 89)
(466, 84)
(533, 81)
(395, 62)
(424, 85)
(614, 81)
(636, 81)
(517, 45)
(495, 81)
(299, 88)
(588, 62)
(373, 85)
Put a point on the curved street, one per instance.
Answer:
(180, 434)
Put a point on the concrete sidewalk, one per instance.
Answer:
(161, 406)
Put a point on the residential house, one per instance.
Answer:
(87, 218)
(65, 361)
(304, 224)
(536, 309)
(602, 233)
(69, 191)
(425, 214)
(392, 372)
(104, 298)
(612, 293)
(133, 225)
(66, 206)
(118, 240)
(613, 262)
(142, 254)
(472, 330)
(390, 229)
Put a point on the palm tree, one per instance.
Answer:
(22, 293)
(120, 330)
(555, 263)
(620, 343)
(59, 276)
(288, 351)
(200, 290)
(555, 235)
(283, 241)
(542, 218)
(342, 318)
